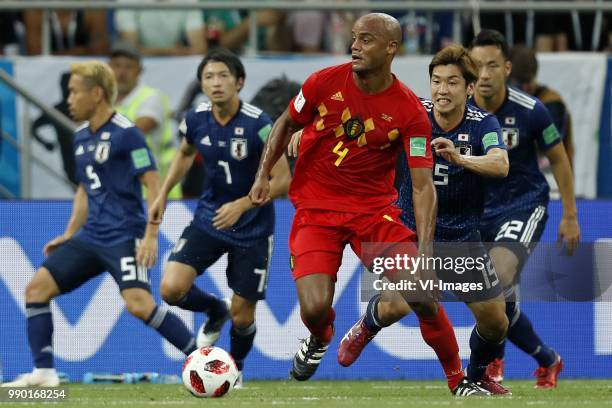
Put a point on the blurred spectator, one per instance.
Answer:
(12, 35)
(147, 107)
(64, 136)
(523, 75)
(72, 32)
(163, 32)
(308, 30)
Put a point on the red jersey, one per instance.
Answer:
(351, 139)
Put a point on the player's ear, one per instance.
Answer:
(240, 84)
(470, 88)
(508, 68)
(393, 47)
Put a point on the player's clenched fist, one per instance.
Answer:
(260, 192)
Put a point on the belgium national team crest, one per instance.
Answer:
(354, 127)
(238, 148)
(102, 152)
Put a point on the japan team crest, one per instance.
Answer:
(511, 137)
(238, 148)
(102, 152)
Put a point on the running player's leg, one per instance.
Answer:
(193, 253)
(67, 268)
(515, 236)
(316, 254)
(247, 276)
(436, 329)
(134, 284)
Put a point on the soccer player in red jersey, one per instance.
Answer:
(355, 117)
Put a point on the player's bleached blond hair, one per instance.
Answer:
(97, 73)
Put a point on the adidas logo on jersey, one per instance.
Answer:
(79, 151)
(206, 141)
(338, 97)
(386, 117)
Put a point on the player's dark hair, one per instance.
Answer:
(228, 58)
(492, 37)
(456, 54)
(524, 65)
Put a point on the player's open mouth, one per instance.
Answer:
(355, 57)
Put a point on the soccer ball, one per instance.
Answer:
(209, 372)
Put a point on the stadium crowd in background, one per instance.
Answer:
(183, 32)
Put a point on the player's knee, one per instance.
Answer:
(140, 307)
(243, 313)
(171, 292)
(494, 327)
(314, 311)
(38, 290)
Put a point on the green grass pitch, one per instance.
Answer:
(323, 394)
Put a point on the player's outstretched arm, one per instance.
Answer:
(77, 219)
(181, 163)
(146, 253)
(569, 230)
(278, 140)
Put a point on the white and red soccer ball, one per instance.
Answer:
(209, 372)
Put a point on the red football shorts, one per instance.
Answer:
(318, 238)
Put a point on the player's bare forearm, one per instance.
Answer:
(79, 213)
(425, 202)
(150, 180)
(562, 172)
(281, 178)
(181, 163)
(494, 164)
(279, 138)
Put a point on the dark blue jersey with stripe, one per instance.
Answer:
(109, 163)
(460, 192)
(231, 156)
(526, 126)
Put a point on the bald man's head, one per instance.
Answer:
(384, 25)
(376, 40)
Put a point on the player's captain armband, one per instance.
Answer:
(299, 102)
(418, 146)
(264, 132)
(140, 158)
(183, 127)
(550, 134)
(490, 139)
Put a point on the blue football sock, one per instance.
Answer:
(482, 353)
(197, 300)
(371, 319)
(172, 329)
(241, 343)
(40, 334)
(522, 334)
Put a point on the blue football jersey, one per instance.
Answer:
(526, 126)
(461, 193)
(109, 163)
(231, 156)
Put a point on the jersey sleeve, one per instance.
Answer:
(302, 107)
(417, 142)
(542, 127)
(491, 135)
(138, 153)
(186, 127)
